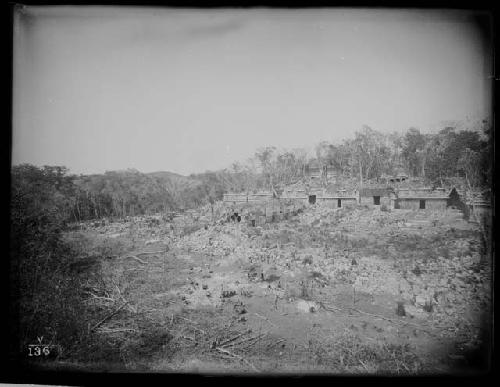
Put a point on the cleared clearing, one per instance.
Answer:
(329, 290)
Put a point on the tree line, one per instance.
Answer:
(444, 158)
(448, 155)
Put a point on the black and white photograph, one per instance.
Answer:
(252, 191)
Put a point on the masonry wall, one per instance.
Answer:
(368, 200)
(436, 204)
(348, 202)
(267, 212)
(407, 204)
(332, 202)
(329, 202)
(414, 204)
(243, 198)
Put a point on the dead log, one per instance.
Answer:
(224, 351)
(108, 316)
(137, 259)
(231, 339)
(150, 252)
(250, 339)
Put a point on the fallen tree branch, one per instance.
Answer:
(108, 316)
(394, 321)
(117, 330)
(364, 365)
(187, 338)
(249, 343)
(222, 350)
(100, 297)
(136, 258)
(150, 252)
(265, 318)
(231, 339)
(275, 343)
(330, 308)
(246, 340)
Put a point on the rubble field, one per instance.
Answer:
(351, 290)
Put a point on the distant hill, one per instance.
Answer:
(174, 181)
(165, 189)
(167, 175)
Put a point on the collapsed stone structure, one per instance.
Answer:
(400, 177)
(320, 186)
(256, 213)
(421, 199)
(400, 198)
(479, 209)
(317, 172)
(310, 194)
(246, 197)
(375, 196)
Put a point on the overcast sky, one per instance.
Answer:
(186, 91)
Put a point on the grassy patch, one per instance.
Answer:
(347, 353)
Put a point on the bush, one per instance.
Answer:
(346, 353)
(47, 284)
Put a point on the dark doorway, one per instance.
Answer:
(376, 200)
(339, 203)
(312, 199)
(253, 222)
(422, 204)
(454, 201)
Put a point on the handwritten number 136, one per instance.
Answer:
(38, 350)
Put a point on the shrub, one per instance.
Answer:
(428, 306)
(46, 281)
(48, 287)
(346, 352)
(305, 291)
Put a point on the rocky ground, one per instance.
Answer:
(355, 290)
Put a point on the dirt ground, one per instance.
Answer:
(339, 291)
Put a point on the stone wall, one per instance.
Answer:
(368, 200)
(333, 201)
(414, 203)
(244, 198)
(259, 213)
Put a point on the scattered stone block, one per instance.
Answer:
(308, 306)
